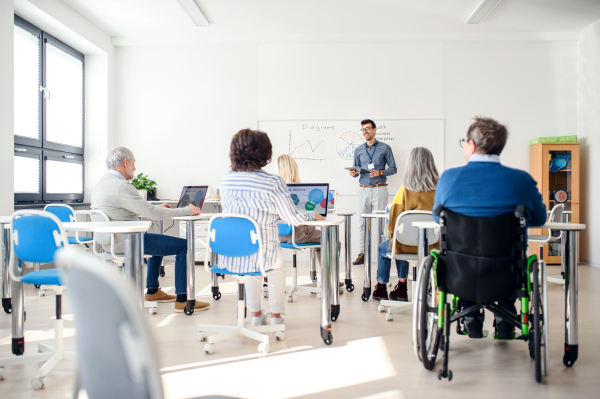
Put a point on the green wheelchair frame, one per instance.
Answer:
(435, 311)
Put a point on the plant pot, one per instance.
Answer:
(152, 194)
(143, 193)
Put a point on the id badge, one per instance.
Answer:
(371, 166)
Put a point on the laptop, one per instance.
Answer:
(192, 195)
(331, 201)
(310, 197)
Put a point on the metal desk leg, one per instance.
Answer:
(571, 341)
(133, 262)
(216, 294)
(190, 266)
(381, 231)
(18, 316)
(347, 247)
(334, 264)
(326, 286)
(367, 286)
(161, 228)
(6, 305)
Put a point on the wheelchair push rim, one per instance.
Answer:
(429, 330)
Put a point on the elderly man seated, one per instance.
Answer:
(116, 197)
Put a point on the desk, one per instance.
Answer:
(368, 216)
(347, 247)
(330, 264)
(190, 259)
(5, 253)
(216, 204)
(570, 256)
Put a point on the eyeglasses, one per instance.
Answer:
(462, 142)
(364, 129)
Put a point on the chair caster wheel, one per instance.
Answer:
(37, 384)
(36, 286)
(290, 299)
(329, 339)
(389, 317)
(449, 375)
(202, 336)
(364, 297)
(209, 349)
(263, 348)
(217, 297)
(439, 374)
(381, 308)
(188, 312)
(162, 273)
(280, 335)
(152, 310)
(350, 287)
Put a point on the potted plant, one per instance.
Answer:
(143, 185)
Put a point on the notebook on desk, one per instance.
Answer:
(192, 195)
(310, 197)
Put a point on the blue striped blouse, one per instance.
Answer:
(265, 198)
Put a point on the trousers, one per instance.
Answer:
(370, 199)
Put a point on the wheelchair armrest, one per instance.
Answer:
(520, 212)
(438, 210)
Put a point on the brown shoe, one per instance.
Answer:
(360, 260)
(179, 306)
(380, 291)
(400, 292)
(160, 296)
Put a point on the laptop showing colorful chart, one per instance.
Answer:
(310, 197)
(331, 200)
(192, 195)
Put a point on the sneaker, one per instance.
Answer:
(380, 292)
(400, 292)
(474, 325)
(504, 330)
(276, 320)
(179, 306)
(360, 260)
(160, 296)
(259, 320)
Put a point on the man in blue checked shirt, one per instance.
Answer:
(373, 156)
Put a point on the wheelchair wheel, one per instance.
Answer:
(537, 322)
(428, 333)
(416, 324)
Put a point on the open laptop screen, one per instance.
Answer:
(331, 200)
(310, 197)
(194, 195)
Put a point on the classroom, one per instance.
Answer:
(376, 199)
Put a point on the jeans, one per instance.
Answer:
(384, 264)
(159, 245)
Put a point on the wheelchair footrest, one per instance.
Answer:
(515, 336)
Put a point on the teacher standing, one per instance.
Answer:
(373, 156)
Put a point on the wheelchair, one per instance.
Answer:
(481, 260)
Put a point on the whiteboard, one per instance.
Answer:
(323, 148)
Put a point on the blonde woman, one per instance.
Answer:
(416, 193)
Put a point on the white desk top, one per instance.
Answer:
(329, 221)
(374, 215)
(342, 213)
(425, 225)
(212, 201)
(202, 216)
(5, 219)
(380, 211)
(117, 227)
(561, 226)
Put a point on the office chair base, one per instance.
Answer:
(556, 279)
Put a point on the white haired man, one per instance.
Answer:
(117, 198)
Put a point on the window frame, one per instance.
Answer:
(30, 152)
(61, 156)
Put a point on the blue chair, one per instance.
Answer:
(67, 214)
(36, 236)
(286, 229)
(236, 236)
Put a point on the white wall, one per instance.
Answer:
(178, 107)
(588, 125)
(6, 108)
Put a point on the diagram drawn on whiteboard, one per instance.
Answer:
(310, 146)
(347, 143)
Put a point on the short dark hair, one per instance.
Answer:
(365, 121)
(250, 150)
(489, 135)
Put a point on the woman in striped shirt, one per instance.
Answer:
(248, 190)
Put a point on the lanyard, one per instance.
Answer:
(367, 151)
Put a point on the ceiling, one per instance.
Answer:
(152, 18)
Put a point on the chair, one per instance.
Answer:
(237, 236)
(555, 216)
(35, 237)
(102, 239)
(481, 260)
(407, 234)
(286, 229)
(116, 353)
(67, 214)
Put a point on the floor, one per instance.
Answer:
(369, 358)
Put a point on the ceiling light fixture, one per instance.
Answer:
(483, 9)
(192, 9)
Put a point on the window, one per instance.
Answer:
(48, 117)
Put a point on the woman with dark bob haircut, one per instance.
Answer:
(249, 190)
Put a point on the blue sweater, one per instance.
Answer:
(486, 189)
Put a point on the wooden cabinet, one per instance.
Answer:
(555, 167)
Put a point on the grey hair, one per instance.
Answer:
(421, 174)
(117, 156)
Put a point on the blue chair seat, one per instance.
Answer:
(217, 270)
(291, 246)
(73, 240)
(43, 277)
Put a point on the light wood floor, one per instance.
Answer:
(370, 357)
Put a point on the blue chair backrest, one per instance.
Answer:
(284, 229)
(232, 236)
(36, 238)
(63, 213)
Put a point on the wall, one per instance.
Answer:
(6, 108)
(588, 123)
(178, 106)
